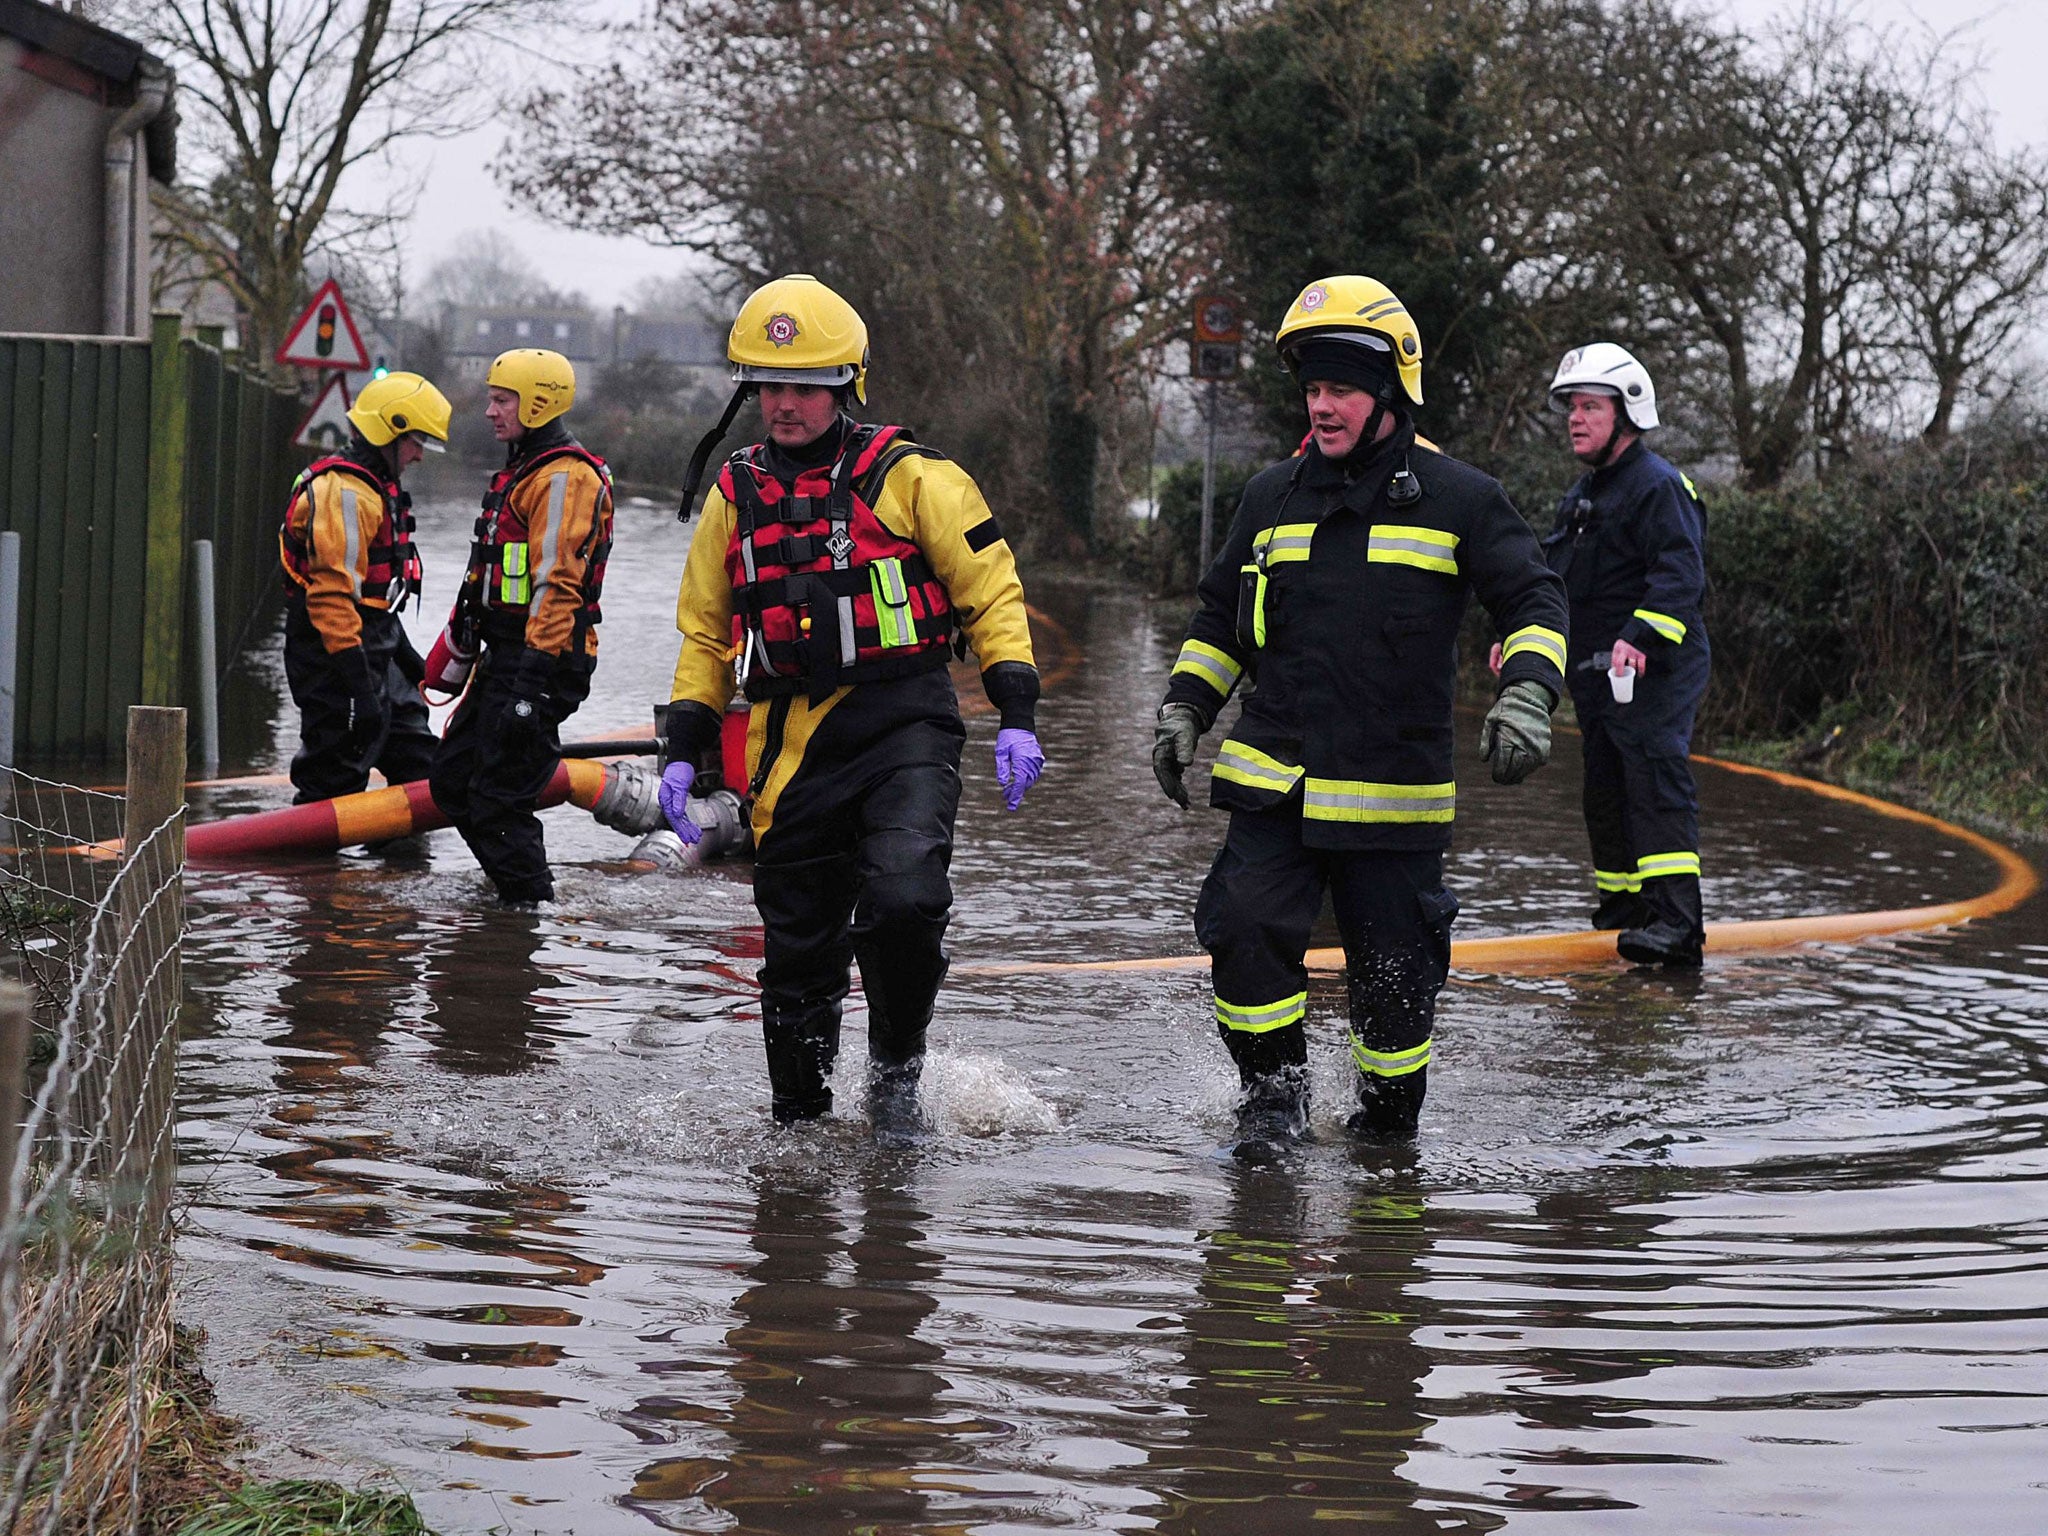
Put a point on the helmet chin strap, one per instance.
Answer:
(705, 444)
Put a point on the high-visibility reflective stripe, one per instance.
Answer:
(1690, 489)
(551, 536)
(1249, 766)
(1390, 1063)
(1260, 1017)
(1215, 667)
(1671, 629)
(1545, 642)
(1651, 865)
(1427, 549)
(351, 539)
(893, 618)
(1355, 800)
(1617, 880)
(515, 588)
(1285, 542)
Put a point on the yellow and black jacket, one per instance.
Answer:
(1339, 592)
(536, 565)
(346, 544)
(918, 497)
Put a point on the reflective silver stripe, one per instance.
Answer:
(1288, 541)
(1257, 1018)
(1653, 865)
(352, 539)
(1545, 642)
(1212, 666)
(1240, 764)
(1354, 800)
(551, 538)
(1671, 629)
(1427, 549)
(1390, 1063)
(849, 647)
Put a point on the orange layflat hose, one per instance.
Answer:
(1539, 952)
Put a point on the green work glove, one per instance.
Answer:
(1173, 748)
(1515, 739)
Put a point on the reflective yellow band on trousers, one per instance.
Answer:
(1617, 880)
(1260, 1017)
(1427, 549)
(1547, 643)
(1213, 666)
(1651, 865)
(1390, 1063)
(1284, 542)
(1671, 629)
(1252, 768)
(1356, 800)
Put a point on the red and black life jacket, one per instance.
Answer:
(825, 595)
(391, 572)
(500, 575)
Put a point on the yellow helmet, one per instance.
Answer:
(544, 381)
(1361, 309)
(399, 403)
(795, 330)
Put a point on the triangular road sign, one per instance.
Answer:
(326, 426)
(325, 336)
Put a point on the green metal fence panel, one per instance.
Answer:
(75, 477)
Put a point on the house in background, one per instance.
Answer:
(87, 122)
(473, 335)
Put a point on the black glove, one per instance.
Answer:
(531, 674)
(411, 665)
(369, 712)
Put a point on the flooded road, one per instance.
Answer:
(490, 1200)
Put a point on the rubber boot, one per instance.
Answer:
(1676, 935)
(894, 1108)
(803, 1045)
(1622, 909)
(1389, 1108)
(1273, 1116)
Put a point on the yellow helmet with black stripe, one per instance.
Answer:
(1357, 309)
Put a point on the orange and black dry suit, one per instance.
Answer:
(832, 584)
(350, 567)
(1339, 593)
(530, 596)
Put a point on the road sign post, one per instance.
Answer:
(1213, 355)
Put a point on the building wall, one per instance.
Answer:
(52, 172)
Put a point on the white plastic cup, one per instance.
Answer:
(1623, 681)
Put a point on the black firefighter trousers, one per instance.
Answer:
(1261, 899)
(325, 766)
(1642, 807)
(861, 874)
(492, 767)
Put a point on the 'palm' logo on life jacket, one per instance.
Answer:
(783, 330)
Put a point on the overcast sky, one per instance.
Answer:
(461, 195)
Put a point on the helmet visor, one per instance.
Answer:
(825, 378)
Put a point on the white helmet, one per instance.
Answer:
(1604, 368)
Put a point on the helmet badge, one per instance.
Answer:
(783, 330)
(1314, 297)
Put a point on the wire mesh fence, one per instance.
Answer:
(90, 928)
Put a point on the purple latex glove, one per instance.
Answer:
(1019, 762)
(676, 780)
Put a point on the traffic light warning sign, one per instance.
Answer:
(325, 336)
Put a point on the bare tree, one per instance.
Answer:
(984, 174)
(290, 97)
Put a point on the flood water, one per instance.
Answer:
(489, 1203)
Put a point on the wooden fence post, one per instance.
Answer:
(17, 1009)
(145, 1086)
(163, 592)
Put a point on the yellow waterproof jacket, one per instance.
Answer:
(346, 543)
(925, 499)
